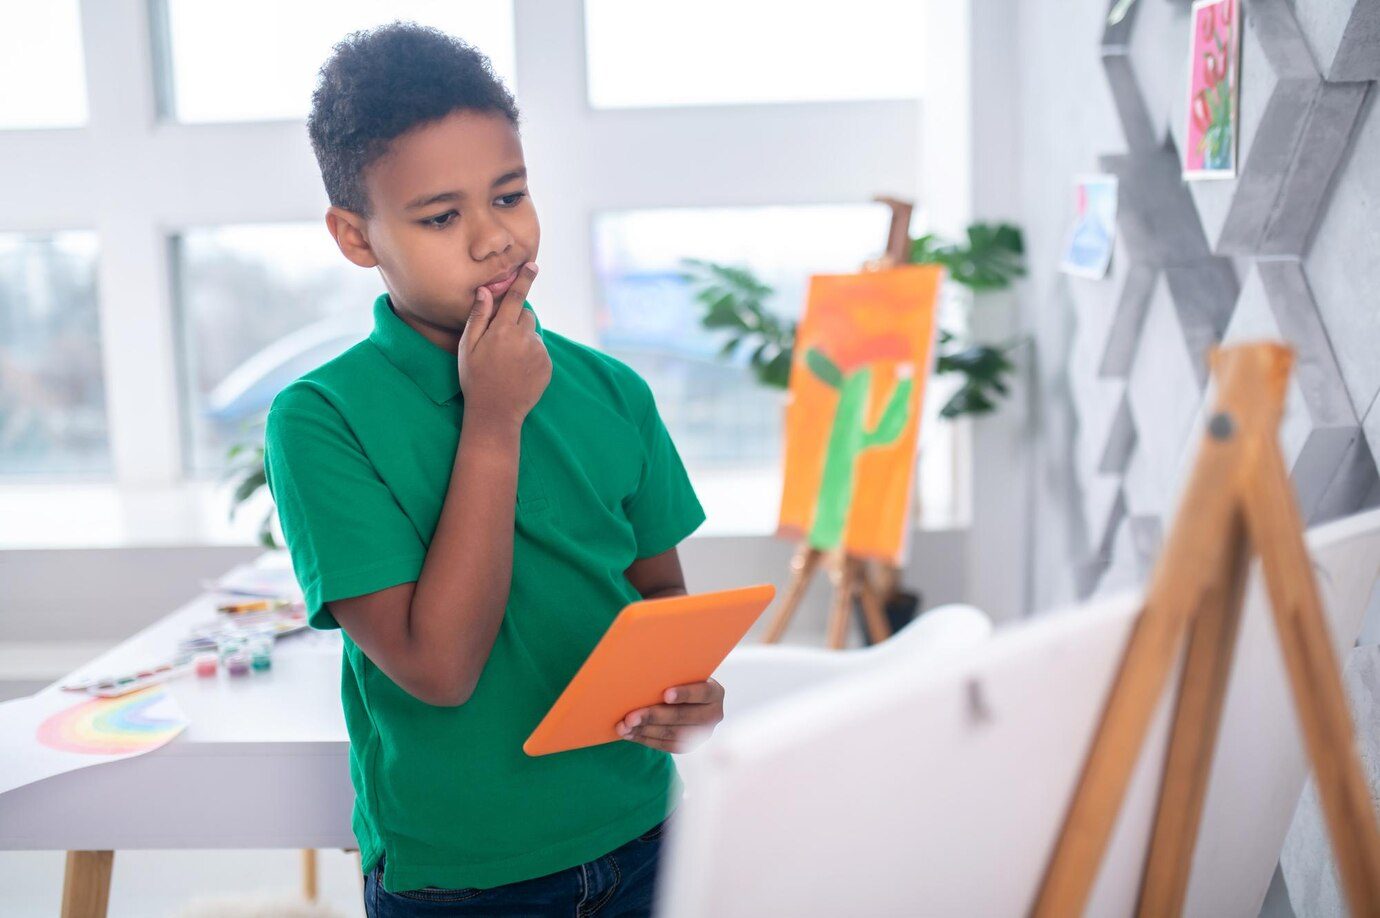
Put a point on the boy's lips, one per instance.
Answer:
(500, 287)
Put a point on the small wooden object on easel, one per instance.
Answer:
(872, 582)
(1238, 502)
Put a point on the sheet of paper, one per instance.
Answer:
(1088, 247)
(271, 576)
(55, 732)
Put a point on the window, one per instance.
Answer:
(274, 49)
(258, 306)
(718, 52)
(718, 413)
(42, 76)
(52, 392)
(240, 278)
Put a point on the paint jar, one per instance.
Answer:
(261, 652)
(234, 655)
(206, 664)
(237, 663)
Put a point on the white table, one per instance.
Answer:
(263, 763)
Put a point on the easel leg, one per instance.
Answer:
(803, 565)
(1315, 676)
(1183, 578)
(844, 574)
(1144, 669)
(86, 884)
(1197, 717)
(874, 614)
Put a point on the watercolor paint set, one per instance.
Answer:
(238, 643)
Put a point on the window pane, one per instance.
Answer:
(42, 74)
(52, 393)
(718, 413)
(741, 51)
(258, 306)
(274, 49)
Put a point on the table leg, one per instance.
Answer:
(309, 874)
(86, 884)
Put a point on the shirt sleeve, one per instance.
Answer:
(664, 509)
(345, 532)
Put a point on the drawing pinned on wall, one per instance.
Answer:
(1213, 90)
(46, 734)
(862, 354)
(1088, 249)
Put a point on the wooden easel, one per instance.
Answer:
(1238, 502)
(851, 576)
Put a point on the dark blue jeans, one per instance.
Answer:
(621, 883)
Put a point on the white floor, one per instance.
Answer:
(166, 884)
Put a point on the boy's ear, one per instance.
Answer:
(348, 230)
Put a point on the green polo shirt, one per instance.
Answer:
(358, 454)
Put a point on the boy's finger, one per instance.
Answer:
(510, 310)
(694, 693)
(686, 714)
(663, 745)
(669, 734)
(478, 322)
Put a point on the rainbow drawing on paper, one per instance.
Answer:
(114, 726)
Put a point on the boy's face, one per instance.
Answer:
(451, 211)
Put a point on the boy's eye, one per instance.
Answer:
(440, 220)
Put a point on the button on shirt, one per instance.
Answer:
(358, 453)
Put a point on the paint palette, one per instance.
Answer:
(273, 623)
(116, 686)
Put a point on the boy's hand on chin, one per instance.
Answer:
(689, 709)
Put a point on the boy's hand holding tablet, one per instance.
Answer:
(688, 708)
(619, 692)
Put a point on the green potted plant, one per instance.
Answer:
(990, 258)
(245, 467)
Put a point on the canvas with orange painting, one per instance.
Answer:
(862, 354)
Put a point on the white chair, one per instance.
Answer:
(755, 674)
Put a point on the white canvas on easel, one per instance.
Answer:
(942, 792)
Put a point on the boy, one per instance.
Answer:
(472, 499)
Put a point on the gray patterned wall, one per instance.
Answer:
(1288, 249)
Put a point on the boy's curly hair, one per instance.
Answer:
(380, 83)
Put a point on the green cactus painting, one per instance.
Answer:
(860, 360)
(848, 438)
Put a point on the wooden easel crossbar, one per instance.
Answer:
(1238, 501)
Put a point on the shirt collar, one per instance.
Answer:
(432, 368)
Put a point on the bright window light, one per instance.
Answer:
(274, 49)
(52, 388)
(724, 52)
(42, 74)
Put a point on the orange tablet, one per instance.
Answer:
(652, 645)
